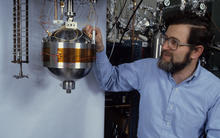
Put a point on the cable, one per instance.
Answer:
(92, 12)
(119, 15)
(113, 47)
(126, 28)
(216, 26)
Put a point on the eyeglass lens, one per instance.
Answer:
(172, 42)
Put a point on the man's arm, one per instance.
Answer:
(213, 123)
(116, 78)
(112, 78)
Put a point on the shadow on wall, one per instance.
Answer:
(91, 82)
(38, 72)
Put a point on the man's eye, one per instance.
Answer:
(173, 42)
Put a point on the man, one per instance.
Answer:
(179, 98)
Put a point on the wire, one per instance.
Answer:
(125, 30)
(41, 18)
(44, 20)
(119, 15)
(76, 58)
(216, 26)
(64, 40)
(113, 47)
(114, 28)
(92, 12)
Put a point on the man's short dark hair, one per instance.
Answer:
(201, 32)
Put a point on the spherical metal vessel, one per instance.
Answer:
(69, 55)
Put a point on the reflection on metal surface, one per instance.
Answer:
(67, 52)
(69, 55)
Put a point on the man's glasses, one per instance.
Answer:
(173, 43)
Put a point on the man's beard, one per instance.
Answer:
(170, 66)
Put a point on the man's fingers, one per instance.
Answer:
(87, 30)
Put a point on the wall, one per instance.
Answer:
(38, 107)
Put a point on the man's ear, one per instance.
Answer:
(197, 51)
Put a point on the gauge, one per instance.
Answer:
(202, 6)
(195, 4)
(166, 3)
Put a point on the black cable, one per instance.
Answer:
(126, 28)
(119, 15)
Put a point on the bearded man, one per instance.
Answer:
(178, 97)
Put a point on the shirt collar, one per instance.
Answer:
(196, 72)
(192, 77)
(198, 69)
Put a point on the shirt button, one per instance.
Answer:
(167, 123)
(171, 107)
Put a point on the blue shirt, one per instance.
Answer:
(167, 109)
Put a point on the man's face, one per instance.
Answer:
(175, 60)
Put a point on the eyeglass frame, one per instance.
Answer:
(167, 39)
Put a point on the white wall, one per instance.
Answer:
(38, 107)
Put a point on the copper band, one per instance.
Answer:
(70, 55)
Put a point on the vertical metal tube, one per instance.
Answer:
(157, 46)
(55, 10)
(133, 28)
(157, 42)
(21, 72)
(183, 5)
(61, 9)
(70, 6)
(14, 30)
(27, 30)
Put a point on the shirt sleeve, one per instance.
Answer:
(115, 78)
(213, 124)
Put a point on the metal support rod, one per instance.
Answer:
(61, 9)
(27, 30)
(70, 11)
(70, 6)
(133, 29)
(20, 35)
(55, 10)
(19, 31)
(14, 30)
